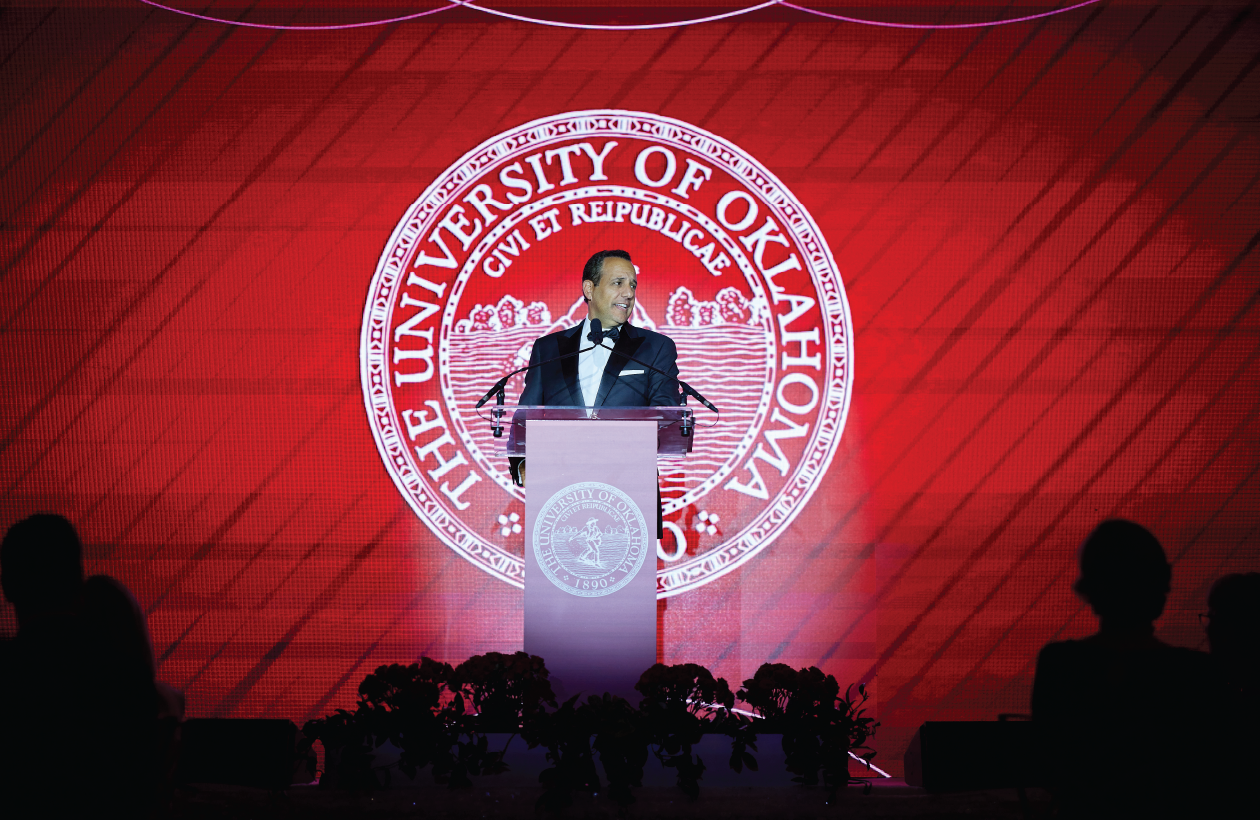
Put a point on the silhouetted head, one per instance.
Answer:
(41, 566)
(1233, 628)
(116, 625)
(1124, 574)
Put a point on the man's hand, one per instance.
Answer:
(521, 472)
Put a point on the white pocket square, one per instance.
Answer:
(632, 372)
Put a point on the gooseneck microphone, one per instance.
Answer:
(501, 384)
(596, 337)
(687, 389)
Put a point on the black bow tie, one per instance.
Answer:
(611, 333)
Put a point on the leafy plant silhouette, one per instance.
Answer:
(439, 716)
(435, 715)
(680, 703)
(819, 726)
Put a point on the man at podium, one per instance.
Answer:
(602, 376)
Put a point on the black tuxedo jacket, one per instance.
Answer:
(625, 383)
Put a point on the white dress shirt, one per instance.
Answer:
(591, 364)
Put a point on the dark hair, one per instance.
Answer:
(594, 267)
(116, 626)
(1124, 573)
(1235, 602)
(41, 563)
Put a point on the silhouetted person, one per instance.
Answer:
(78, 682)
(41, 572)
(1233, 631)
(121, 706)
(1120, 711)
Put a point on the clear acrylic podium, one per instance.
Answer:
(591, 505)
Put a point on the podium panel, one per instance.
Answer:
(590, 553)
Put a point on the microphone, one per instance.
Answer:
(502, 383)
(499, 387)
(688, 390)
(597, 337)
(695, 393)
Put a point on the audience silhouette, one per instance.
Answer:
(89, 729)
(85, 734)
(1121, 712)
(1233, 632)
(41, 572)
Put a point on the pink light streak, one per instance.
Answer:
(982, 24)
(633, 27)
(868, 764)
(333, 27)
(471, 4)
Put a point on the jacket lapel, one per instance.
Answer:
(628, 342)
(566, 344)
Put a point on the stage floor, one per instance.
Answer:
(890, 798)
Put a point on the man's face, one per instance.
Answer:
(612, 300)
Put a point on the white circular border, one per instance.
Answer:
(648, 546)
(792, 217)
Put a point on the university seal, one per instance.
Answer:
(590, 539)
(731, 267)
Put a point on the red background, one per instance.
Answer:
(1047, 231)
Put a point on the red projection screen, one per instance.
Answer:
(964, 279)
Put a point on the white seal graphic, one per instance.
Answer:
(731, 267)
(590, 539)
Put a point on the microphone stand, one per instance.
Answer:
(497, 392)
(597, 336)
(687, 423)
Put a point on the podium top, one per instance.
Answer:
(674, 425)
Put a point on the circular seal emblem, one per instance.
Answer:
(731, 267)
(590, 539)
